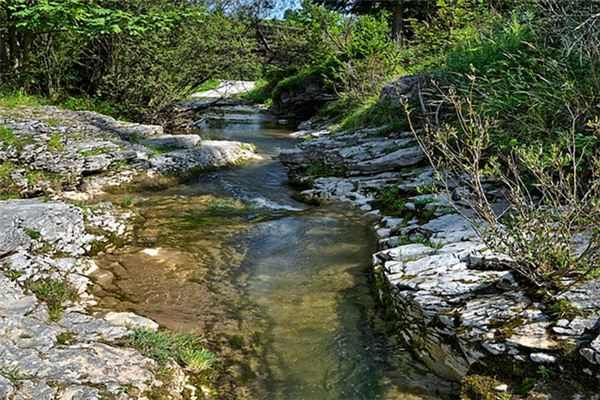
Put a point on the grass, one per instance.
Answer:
(56, 143)
(80, 103)
(8, 138)
(13, 275)
(208, 85)
(390, 201)
(373, 114)
(563, 309)
(33, 234)
(94, 152)
(51, 121)
(64, 338)
(197, 360)
(8, 188)
(320, 169)
(14, 375)
(161, 149)
(127, 202)
(15, 99)
(185, 348)
(54, 293)
(261, 94)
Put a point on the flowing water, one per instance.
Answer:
(280, 289)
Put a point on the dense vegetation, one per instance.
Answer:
(510, 95)
(511, 91)
(137, 56)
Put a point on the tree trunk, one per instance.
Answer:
(397, 23)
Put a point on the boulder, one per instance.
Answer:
(172, 141)
(405, 89)
(301, 100)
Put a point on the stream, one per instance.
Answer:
(279, 289)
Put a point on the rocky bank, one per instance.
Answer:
(456, 305)
(53, 345)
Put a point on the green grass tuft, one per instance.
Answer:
(185, 348)
(15, 99)
(56, 143)
(33, 234)
(54, 293)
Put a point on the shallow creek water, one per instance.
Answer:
(280, 290)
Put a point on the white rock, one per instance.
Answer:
(130, 319)
(542, 358)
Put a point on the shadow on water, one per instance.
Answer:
(281, 290)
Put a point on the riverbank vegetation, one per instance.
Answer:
(507, 94)
(127, 58)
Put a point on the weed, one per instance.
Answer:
(54, 293)
(186, 348)
(33, 234)
(64, 338)
(14, 375)
(94, 152)
(127, 202)
(56, 143)
(13, 275)
(563, 309)
(161, 149)
(51, 121)
(8, 138)
(197, 360)
(543, 371)
(526, 386)
(390, 201)
(15, 99)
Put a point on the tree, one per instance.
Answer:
(400, 10)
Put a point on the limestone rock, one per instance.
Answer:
(172, 141)
(130, 319)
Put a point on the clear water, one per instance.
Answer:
(281, 289)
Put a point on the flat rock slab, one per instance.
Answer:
(211, 154)
(57, 223)
(226, 89)
(172, 141)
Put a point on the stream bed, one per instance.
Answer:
(280, 290)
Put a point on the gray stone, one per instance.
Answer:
(212, 154)
(172, 141)
(403, 90)
(130, 319)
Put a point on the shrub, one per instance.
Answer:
(549, 226)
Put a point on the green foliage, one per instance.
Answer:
(127, 202)
(197, 360)
(371, 114)
(208, 85)
(563, 309)
(93, 104)
(54, 293)
(33, 234)
(185, 348)
(13, 99)
(7, 186)
(8, 138)
(135, 57)
(64, 338)
(391, 201)
(55, 142)
(15, 375)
